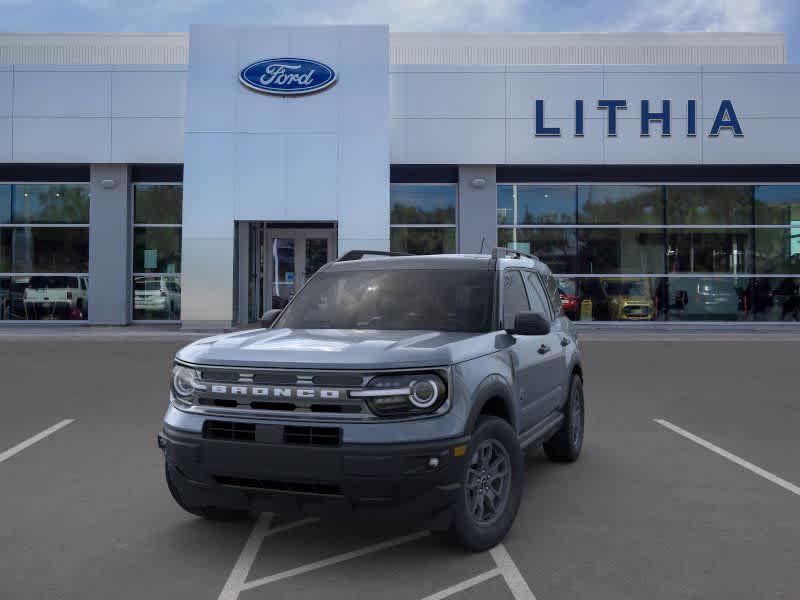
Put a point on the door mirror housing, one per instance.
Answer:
(268, 318)
(530, 323)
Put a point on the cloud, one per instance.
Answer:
(705, 15)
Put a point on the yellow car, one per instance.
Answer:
(628, 299)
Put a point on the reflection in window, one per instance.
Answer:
(710, 251)
(557, 247)
(709, 205)
(157, 211)
(156, 297)
(778, 250)
(620, 204)
(43, 265)
(535, 204)
(621, 250)
(777, 205)
(433, 205)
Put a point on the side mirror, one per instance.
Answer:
(530, 323)
(268, 318)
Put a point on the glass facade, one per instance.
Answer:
(423, 217)
(157, 215)
(44, 251)
(662, 252)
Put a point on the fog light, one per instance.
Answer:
(433, 462)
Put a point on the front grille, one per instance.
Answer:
(345, 406)
(243, 375)
(297, 487)
(229, 430)
(312, 436)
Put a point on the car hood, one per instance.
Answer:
(338, 348)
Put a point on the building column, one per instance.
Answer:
(109, 245)
(477, 209)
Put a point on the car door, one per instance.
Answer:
(543, 290)
(529, 358)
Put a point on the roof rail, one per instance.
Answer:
(359, 254)
(511, 253)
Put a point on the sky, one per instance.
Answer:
(414, 15)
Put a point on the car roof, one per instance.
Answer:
(436, 261)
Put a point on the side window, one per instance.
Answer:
(515, 300)
(539, 302)
(551, 286)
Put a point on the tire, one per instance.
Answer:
(212, 513)
(479, 532)
(566, 444)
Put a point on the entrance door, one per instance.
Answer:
(291, 256)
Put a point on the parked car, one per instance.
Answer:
(706, 299)
(56, 297)
(360, 397)
(569, 297)
(628, 299)
(156, 295)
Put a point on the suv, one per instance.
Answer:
(389, 386)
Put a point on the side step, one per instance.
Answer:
(542, 431)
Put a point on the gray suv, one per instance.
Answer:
(389, 387)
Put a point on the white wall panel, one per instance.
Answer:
(5, 139)
(765, 141)
(678, 87)
(210, 89)
(209, 178)
(148, 93)
(79, 140)
(455, 141)
(6, 93)
(261, 197)
(363, 193)
(753, 94)
(455, 95)
(629, 148)
(62, 93)
(558, 90)
(311, 170)
(524, 147)
(147, 140)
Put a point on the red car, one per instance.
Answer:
(569, 298)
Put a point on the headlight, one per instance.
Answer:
(184, 383)
(404, 394)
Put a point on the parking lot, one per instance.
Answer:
(687, 487)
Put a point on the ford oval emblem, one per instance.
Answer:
(287, 76)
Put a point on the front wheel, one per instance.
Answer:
(491, 487)
(566, 444)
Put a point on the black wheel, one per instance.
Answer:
(566, 444)
(491, 487)
(212, 513)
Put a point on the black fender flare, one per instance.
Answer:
(493, 386)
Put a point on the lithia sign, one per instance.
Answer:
(725, 120)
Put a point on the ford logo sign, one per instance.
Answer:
(287, 76)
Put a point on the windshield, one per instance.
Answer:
(427, 299)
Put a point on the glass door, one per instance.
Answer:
(291, 257)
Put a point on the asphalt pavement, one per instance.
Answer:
(687, 487)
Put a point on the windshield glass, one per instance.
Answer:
(625, 288)
(436, 300)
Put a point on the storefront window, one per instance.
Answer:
(157, 252)
(620, 204)
(423, 218)
(621, 250)
(535, 204)
(709, 205)
(43, 263)
(710, 251)
(557, 247)
(778, 250)
(778, 205)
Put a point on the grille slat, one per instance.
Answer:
(229, 430)
(299, 487)
(312, 436)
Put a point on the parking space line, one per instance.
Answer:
(333, 560)
(731, 457)
(247, 556)
(464, 585)
(508, 569)
(4, 456)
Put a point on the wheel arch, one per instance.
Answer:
(493, 396)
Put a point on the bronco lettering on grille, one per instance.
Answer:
(277, 392)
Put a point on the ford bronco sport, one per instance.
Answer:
(389, 386)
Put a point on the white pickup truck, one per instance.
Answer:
(56, 296)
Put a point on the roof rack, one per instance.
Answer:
(511, 253)
(359, 254)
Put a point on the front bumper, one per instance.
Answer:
(393, 480)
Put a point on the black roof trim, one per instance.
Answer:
(648, 173)
(423, 174)
(162, 173)
(44, 172)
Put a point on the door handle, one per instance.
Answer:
(565, 341)
(544, 349)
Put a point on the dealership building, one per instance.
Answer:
(200, 178)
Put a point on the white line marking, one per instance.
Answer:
(464, 585)
(732, 457)
(508, 569)
(333, 560)
(32, 440)
(241, 569)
